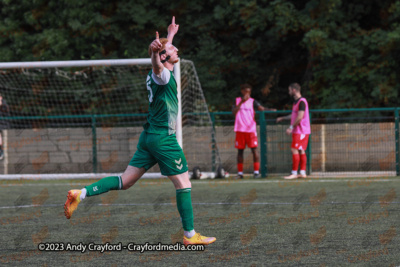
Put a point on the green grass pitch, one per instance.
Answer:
(257, 222)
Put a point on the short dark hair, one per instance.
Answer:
(295, 86)
(246, 85)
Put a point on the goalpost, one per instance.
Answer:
(75, 119)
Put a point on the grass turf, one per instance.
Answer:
(263, 222)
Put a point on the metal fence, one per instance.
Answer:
(343, 142)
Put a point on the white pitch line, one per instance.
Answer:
(211, 182)
(200, 203)
(297, 181)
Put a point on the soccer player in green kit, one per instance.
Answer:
(157, 143)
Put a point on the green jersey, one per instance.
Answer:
(163, 103)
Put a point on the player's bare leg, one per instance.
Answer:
(131, 176)
(184, 203)
(181, 181)
(126, 180)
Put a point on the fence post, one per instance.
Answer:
(94, 144)
(213, 155)
(309, 149)
(263, 145)
(396, 132)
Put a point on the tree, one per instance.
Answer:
(343, 53)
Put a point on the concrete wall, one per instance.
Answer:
(335, 148)
(356, 147)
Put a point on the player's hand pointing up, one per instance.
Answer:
(156, 44)
(173, 28)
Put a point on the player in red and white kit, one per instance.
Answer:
(300, 130)
(246, 128)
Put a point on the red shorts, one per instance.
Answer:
(243, 139)
(300, 141)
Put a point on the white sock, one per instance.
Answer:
(256, 172)
(189, 234)
(302, 172)
(83, 194)
(294, 172)
(240, 173)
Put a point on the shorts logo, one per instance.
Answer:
(178, 162)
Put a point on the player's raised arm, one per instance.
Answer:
(172, 30)
(155, 47)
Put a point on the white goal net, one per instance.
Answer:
(85, 117)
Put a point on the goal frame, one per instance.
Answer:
(92, 63)
(108, 63)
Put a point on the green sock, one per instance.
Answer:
(104, 185)
(184, 203)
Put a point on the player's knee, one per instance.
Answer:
(128, 182)
(131, 176)
(185, 181)
(181, 181)
(127, 186)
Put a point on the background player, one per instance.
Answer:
(300, 130)
(246, 129)
(157, 143)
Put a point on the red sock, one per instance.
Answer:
(296, 161)
(303, 162)
(240, 167)
(256, 166)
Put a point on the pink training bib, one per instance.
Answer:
(304, 126)
(244, 121)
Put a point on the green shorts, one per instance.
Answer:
(161, 149)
